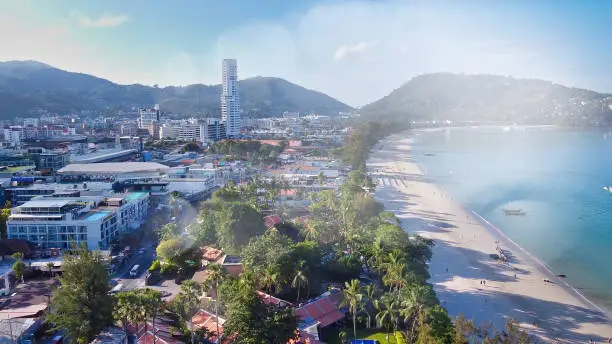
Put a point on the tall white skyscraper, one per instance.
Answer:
(230, 98)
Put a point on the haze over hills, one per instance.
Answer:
(459, 97)
(31, 85)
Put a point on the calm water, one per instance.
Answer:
(556, 176)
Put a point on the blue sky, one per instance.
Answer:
(356, 51)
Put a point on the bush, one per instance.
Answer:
(169, 269)
(155, 266)
(343, 268)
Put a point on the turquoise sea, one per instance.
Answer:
(555, 175)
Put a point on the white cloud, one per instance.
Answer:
(344, 51)
(380, 44)
(104, 21)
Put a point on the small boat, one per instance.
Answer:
(429, 154)
(514, 212)
(608, 188)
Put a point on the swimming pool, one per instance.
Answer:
(134, 195)
(98, 215)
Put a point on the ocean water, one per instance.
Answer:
(555, 175)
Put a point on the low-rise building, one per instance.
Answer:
(94, 220)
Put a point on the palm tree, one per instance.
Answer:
(216, 275)
(387, 313)
(50, 267)
(153, 305)
(269, 279)
(352, 299)
(299, 278)
(370, 293)
(394, 276)
(414, 300)
(123, 310)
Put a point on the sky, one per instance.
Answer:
(355, 51)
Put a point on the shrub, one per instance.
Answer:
(155, 266)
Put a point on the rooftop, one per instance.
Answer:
(101, 155)
(46, 203)
(109, 168)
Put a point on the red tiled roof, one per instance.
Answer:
(323, 311)
(272, 220)
(268, 299)
(210, 253)
(208, 321)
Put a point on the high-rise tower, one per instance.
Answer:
(230, 98)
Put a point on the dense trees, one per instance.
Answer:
(250, 320)
(82, 306)
(249, 150)
(137, 307)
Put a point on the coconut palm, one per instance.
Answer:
(394, 276)
(370, 294)
(152, 304)
(50, 267)
(215, 276)
(352, 299)
(300, 278)
(415, 299)
(269, 279)
(387, 312)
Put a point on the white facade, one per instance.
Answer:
(168, 131)
(190, 132)
(94, 220)
(30, 122)
(147, 117)
(13, 135)
(230, 98)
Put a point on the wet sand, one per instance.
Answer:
(461, 261)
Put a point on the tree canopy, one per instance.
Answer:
(82, 306)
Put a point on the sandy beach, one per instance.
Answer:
(461, 261)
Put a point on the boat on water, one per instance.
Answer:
(608, 188)
(514, 212)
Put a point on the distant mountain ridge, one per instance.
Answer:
(30, 85)
(492, 98)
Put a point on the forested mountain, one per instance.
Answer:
(30, 85)
(491, 98)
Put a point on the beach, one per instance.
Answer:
(465, 276)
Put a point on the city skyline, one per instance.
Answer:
(355, 51)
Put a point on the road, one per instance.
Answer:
(143, 260)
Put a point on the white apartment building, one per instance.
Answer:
(190, 132)
(148, 116)
(230, 98)
(168, 131)
(54, 222)
(13, 135)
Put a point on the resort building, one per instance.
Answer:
(55, 222)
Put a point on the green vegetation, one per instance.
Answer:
(19, 267)
(137, 307)
(248, 150)
(5, 212)
(191, 147)
(82, 306)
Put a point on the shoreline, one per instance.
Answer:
(538, 264)
(554, 312)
